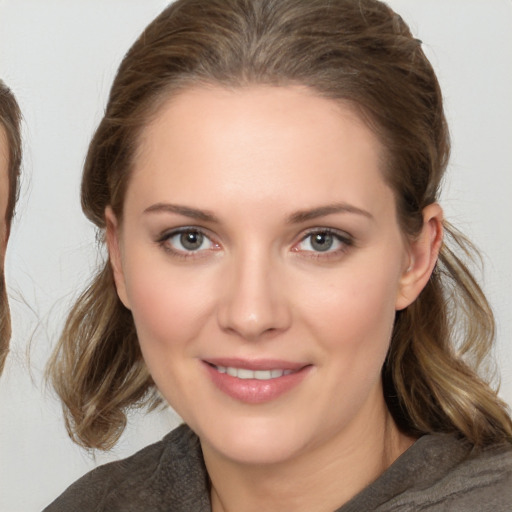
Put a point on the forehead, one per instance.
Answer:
(258, 142)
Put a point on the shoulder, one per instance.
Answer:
(481, 480)
(440, 473)
(447, 473)
(168, 472)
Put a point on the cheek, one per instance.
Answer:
(167, 311)
(168, 305)
(352, 321)
(353, 313)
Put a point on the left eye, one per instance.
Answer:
(322, 241)
(190, 240)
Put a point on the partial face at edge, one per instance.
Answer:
(4, 192)
(259, 236)
(5, 331)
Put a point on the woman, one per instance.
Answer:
(266, 176)
(10, 162)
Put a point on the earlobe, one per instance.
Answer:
(423, 254)
(114, 252)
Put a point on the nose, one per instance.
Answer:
(254, 302)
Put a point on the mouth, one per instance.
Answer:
(255, 382)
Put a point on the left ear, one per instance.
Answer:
(423, 253)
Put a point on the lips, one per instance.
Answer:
(255, 382)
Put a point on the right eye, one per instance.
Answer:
(187, 241)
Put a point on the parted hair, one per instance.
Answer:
(10, 121)
(354, 51)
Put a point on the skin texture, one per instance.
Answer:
(255, 159)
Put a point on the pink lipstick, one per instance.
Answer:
(257, 381)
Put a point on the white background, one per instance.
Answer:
(59, 57)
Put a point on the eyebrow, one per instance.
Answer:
(321, 211)
(295, 218)
(186, 211)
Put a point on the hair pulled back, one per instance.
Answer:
(355, 51)
(10, 121)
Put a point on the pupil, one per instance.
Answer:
(322, 241)
(191, 240)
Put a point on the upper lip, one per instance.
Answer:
(255, 364)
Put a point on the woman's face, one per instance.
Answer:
(262, 260)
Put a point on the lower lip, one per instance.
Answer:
(255, 391)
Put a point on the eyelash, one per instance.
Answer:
(165, 238)
(344, 239)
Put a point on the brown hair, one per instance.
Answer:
(356, 51)
(10, 120)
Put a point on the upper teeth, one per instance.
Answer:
(244, 373)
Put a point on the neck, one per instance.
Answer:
(310, 481)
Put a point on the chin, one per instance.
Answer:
(255, 441)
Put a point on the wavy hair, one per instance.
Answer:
(355, 51)
(10, 121)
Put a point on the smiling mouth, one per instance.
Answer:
(257, 381)
(245, 373)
